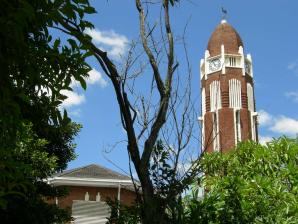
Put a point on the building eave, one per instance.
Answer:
(88, 182)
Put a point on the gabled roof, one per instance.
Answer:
(93, 171)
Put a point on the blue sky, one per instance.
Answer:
(268, 29)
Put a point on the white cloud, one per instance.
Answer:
(75, 113)
(96, 77)
(74, 83)
(265, 118)
(264, 139)
(293, 95)
(115, 44)
(285, 125)
(278, 124)
(293, 66)
(73, 98)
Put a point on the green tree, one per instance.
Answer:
(36, 138)
(252, 184)
(164, 111)
(23, 182)
(36, 68)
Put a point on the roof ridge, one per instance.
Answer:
(113, 171)
(73, 170)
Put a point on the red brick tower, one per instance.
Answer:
(228, 105)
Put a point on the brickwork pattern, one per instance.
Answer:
(78, 193)
(224, 34)
(228, 36)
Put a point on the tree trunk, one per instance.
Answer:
(153, 211)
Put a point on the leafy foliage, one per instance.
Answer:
(36, 139)
(144, 131)
(167, 196)
(167, 184)
(251, 184)
(123, 214)
(24, 182)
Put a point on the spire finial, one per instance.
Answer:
(224, 14)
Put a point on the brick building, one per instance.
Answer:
(89, 188)
(228, 103)
(228, 116)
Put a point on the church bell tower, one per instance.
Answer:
(228, 104)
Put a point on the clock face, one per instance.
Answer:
(214, 64)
